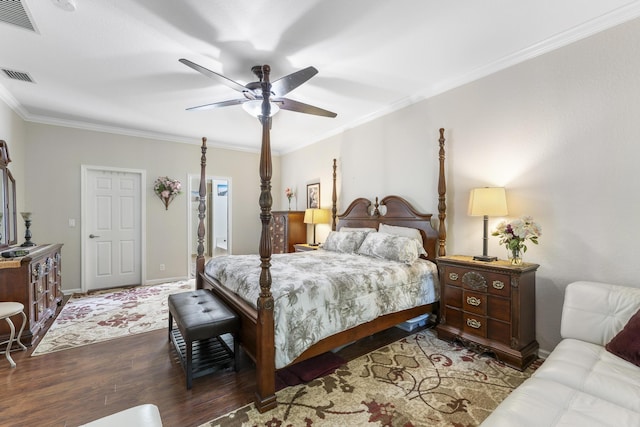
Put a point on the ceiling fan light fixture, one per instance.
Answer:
(255, 108)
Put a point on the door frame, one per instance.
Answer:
(83, 215)
(191, 231)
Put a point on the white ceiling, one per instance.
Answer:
(112, 65)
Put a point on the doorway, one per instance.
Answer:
(217, 236)
(112, 229)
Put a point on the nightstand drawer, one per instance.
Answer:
(475, 325)
(498, 284)
(499, 308)
(453, 296)
(453, 275)
(474, 302)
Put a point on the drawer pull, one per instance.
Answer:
(453, 276)
(474, 301)
(498, 284)
(474, 323)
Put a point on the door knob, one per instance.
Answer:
(93, 236)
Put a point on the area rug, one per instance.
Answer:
(105, 315)
(417, 381)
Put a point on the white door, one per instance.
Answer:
(111, 228)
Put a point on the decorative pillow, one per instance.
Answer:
(627, 343)
(391, 247)
(344, 241)
(412, 233)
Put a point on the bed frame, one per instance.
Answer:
(257, 326)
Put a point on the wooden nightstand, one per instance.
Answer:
(489, 306)
(304, 247)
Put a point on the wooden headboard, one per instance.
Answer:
(391, 210)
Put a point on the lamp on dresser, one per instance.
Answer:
(316, 216)
(486, 202)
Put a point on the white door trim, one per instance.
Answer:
(83, 212)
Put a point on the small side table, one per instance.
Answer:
(489, 306)
(8, 309)
(304, 247)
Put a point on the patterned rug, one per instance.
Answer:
(105, 315)
(417, 381)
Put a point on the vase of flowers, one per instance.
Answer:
(167, 189)
(290, 194)
(514, 236)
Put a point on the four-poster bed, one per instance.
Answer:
(257, 332)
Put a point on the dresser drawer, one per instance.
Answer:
(499, 308)
(475, 325)
(498, 284)
(474, 302)
(453, 296)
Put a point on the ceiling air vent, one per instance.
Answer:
(18, 75)
(15, 12)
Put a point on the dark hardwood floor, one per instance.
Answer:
(75, 386)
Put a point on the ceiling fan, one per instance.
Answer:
(253, 92)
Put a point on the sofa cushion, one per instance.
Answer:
(596, 312)
(541, 402)
(591, 369)
(627, 343)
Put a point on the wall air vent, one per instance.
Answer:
(17, 75)
(15, 12)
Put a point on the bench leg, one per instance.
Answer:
(189, 367)
(236, 352)
(170, 324)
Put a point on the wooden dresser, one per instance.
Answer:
(287, 229)
(489, 306)
(35, 281)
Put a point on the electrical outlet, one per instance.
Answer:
(161, 267)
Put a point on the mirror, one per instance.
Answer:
(8, 224)
(217, 225)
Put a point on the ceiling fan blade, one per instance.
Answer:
(212, 74)
(286, 84)
(218, 104)
(299, 107)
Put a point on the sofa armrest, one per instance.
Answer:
(596, 312)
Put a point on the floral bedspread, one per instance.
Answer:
(319, 293)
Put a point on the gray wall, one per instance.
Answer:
(53, 157)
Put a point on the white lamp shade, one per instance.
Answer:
(489, 201)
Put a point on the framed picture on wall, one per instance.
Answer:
(313, 196)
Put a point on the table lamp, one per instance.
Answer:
(316, 216)
(485, 202)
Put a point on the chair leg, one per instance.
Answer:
(10, 342)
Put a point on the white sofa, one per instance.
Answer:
(581, 383)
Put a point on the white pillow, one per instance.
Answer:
(391, 247)
(412, 233)
(344, 242)
(365, 229)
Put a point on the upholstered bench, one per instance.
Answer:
(202, 319)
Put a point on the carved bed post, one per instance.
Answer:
(265, 398)
(334, 199)
(442, 206)
(201, 213)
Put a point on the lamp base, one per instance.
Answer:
(314, 244)
(485, 258)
